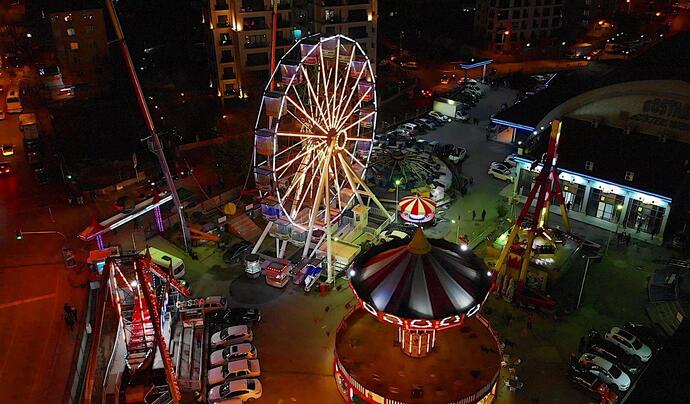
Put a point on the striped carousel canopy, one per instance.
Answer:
(425, 279)
(417, 208)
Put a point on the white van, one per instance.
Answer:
(14, 103)
(163, 260)
(213, 304)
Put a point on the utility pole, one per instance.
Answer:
(157, 146)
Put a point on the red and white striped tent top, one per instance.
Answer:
(417, 208)
(425, 279)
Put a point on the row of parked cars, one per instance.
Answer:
(608, 363)
(503, 170)
(233, 365)
(418, 126)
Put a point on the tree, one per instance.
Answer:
(232, 158)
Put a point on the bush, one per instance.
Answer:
(502, 211)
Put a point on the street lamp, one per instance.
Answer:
(397, 186)
(457, 229)
(584, 277)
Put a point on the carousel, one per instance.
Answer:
(416, 335)
(417, 209)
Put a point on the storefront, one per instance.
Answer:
(602, 203)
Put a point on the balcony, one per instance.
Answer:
(221, 6)
(226, 59)
(284, 5)
(223, 24)
(224, 43)
(255, 45)
(332, 3)
(284, 42)
(356, 2)
(253, 6)
(254, 63)
(333, 20)
(227, 76)
(284, 23)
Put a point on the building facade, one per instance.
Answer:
(241, 32)
(510, 25)
(81, 46)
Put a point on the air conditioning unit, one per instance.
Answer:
(589, 165)
(627, 130)
(595, 123)
(629, 176)
(663, 138)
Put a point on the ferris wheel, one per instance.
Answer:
(314, 133)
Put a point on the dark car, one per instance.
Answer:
(648, 335)
(5, 168)
(616, 355)
(236, 252)
(124, 204)
(236, 316)
(590, 382)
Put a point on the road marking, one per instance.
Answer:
(30, 300)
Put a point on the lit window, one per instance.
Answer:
(74, 45)
(90, 28)
(589, 165)
(68, 18)
(629, 175)
(71, 32)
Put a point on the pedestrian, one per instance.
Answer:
(471, 180)
(73, 314)
(627, 239)
(67, 309)
(474, 214)
(483, 214)
(568, 206)
(530, 320)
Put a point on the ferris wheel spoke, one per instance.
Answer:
(314, 98)
(304, 124)
(341, 113)
(280, 170)
(355, 159)
(313, 121)
(359, 139)
(357, 122)
(302, 135)
(346, 77)
(347, 116)
(326, 99)
(291, 147)
(302, 173)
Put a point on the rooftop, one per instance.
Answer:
(464, 361)
(667, 60)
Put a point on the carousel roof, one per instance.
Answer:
(425, 279)
(417, 205)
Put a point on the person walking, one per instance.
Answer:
(483, 214)
(530, 320)
(474, 214)
(627, 239)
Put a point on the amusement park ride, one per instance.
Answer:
(314, 135)
(533, 217)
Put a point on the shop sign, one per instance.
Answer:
(665, 113)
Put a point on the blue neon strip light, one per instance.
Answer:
(472, 66)
(511, 124)
(585, 176)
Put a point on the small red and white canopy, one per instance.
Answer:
(417, 209)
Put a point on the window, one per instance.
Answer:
(76, 60)
(644, 217)
(94, 45)
(90, 28)
(629, 175)
(602, 205)
(71, 32)
(225, 39)
(68, 18)
(74, 45)
(589, 165)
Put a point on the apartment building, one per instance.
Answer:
(510, 25)
(240, 32)
(81, 46)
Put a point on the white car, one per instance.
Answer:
(439, 116)
(410, 127)
(237, 351)
(462, 115)
(399, 132)
(510, 160)
(501, 171)
(230, 392)
(237, 369)
(232, 335)
(457, 155)
(466, 80)
(629, 343)
(390, 235)
(605, 370)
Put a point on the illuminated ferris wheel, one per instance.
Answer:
(314, 133)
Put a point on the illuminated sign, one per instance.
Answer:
(419, 324)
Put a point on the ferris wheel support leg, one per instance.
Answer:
(329, 244)
(262, 238)
(283, 247)
(317, 201)
(354, 177)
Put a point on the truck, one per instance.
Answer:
(450, 108)
(28, 125)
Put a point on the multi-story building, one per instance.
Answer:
(590, 17)
(81, 46)
(509, 25)
(241, 35)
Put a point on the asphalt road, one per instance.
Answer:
(36, 346)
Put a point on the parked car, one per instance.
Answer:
(465, 80)
(236, 316)
(398, 132)
(462, 115)
(233, 370)
(232, 335)
(630, 343)
(232, 352)
(510, 160)
(445, 79)
(409, 65)
(605, 370)
(613, 353)
(411, 127)
(237, 252)
(437, 121)
(501, 171)
(33, 156)
(432, 123)
(5, 168)
(591, 383)
(41, 175)
(230, 392)
(7, 150)
(457, 155)
(646, 334)
(214, 304)
(423, 124)
(439, 116)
